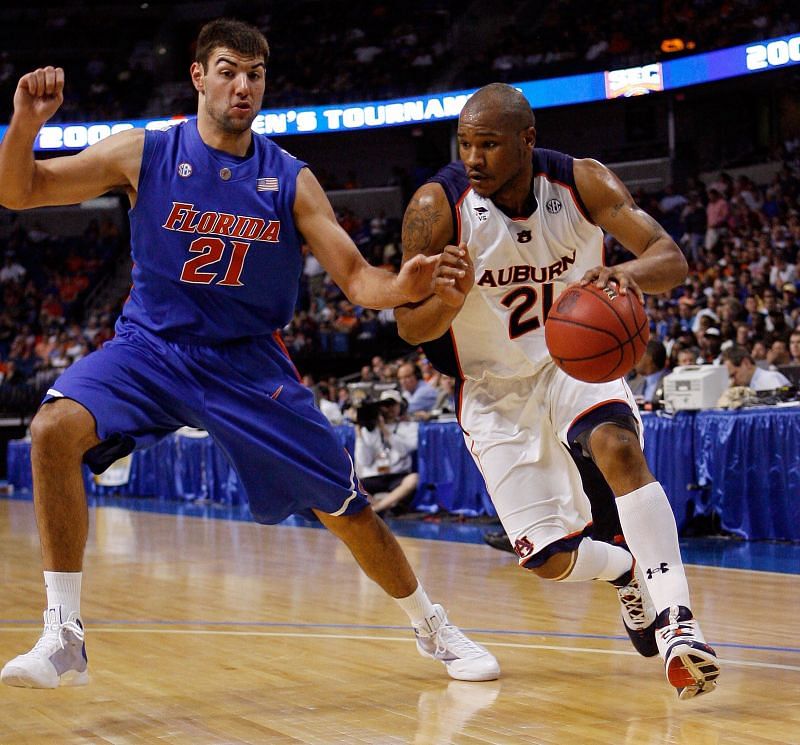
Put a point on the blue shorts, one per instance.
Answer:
(246, 394)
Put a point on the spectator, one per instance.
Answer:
(384, 451)
(710, 345)
(687, 356)
(693, 217)
(420, 396)
(12, 270)
(717, 213)
(743, 371)
(446, 398)
(327, 405)
(777, 354)
(794, 347)
(648, 373)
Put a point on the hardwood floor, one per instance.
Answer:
(214, 631)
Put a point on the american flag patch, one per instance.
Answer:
(267, 184)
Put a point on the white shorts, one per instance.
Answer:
(516, 430)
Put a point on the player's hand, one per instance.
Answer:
(603, 276)
(39, 95)
(415, 278)
(454, 275)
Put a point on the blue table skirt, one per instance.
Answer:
(747, 461)
(750, 461)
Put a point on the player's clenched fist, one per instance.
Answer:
(39, 94)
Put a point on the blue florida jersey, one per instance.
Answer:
(216, 254)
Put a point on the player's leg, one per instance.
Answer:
(636, 607)
(65, 434)
(61, 432)
(382, 559)
(610, 434)
(267, 423)
(538, 492)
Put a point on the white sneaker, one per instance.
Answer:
(438, 639)
(58, 658)
(638, 614)
(690, 664)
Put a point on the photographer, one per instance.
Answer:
(384, 449)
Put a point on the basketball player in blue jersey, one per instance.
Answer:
(513, 225)
(217, 214)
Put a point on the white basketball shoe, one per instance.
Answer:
(58, 658)
(438, 639)
(690, 664)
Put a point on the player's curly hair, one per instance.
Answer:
(236, 35)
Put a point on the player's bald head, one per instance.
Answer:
(505, 107)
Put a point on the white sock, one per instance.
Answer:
(417, 606)
(64, 588)
(652, 536)
(598, 560)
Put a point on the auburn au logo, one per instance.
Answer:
(524, 236)
(523, 547)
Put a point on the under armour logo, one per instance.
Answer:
(524, 236)
(481, 213)
(663, 567)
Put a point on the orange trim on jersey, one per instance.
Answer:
(459, 201)
(478, 461)
(460, 402)
(571, 191)
(597, 406)
(279, 340)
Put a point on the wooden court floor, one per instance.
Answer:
(214, 631)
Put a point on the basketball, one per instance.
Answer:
(596, 335)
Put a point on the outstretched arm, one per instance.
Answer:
(659, 264)
(26, 182)
(427, 230)
(363, 284)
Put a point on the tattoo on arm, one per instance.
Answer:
(418, 224)
(615, 210)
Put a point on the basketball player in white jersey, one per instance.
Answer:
(513, 225)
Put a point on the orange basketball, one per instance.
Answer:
(596, 335)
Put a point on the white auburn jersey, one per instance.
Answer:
(521, 265)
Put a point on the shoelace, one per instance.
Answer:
(680, 629)
(451, 639)
(55, 633)
(631, 600)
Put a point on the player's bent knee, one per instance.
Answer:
(612, 445)
(62, 426)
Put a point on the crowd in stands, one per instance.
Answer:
(351, 51)
(45, 281)
(742, 241)
(573, 36)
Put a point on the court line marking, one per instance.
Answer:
(404, 639)
(389, 627)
